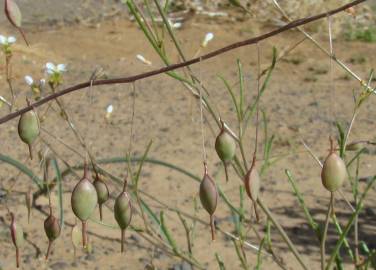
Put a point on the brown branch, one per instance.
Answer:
(212, 54)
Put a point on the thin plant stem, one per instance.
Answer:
(285, 237)
(311, 153)
(325, 232)
(8, 69)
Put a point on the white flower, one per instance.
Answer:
(6, 41)
(143, 60)
(110, 108)
(42, 82)
(208, 37)
(52, 69)
(29, 80)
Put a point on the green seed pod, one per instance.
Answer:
(14, 16)
(28, 129)
(52, 229)
(102, 193)
(83, 201)
(225, 147)
(123, 214)
(209, 197)
(17, 237)
(333, 172)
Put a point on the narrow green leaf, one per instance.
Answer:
(233, 98)
(137, 178)
(167, 234)
(59, 180)
(220, 262)
(341, 140)
(311, 221)
(349, 225)
(241, 88)
(20, 166)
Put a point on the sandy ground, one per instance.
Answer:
(300, 102)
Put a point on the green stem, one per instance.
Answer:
(283, 234)
(358, 208)
(325, 232)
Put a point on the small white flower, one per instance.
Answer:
(6, 41)
(52, 69)
(29, 80)
(42, 82)
(177, 25)
(61, 68)
(143, 60)
(11, 40)
(208, 37)
(110, 108)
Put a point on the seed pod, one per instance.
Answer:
(14, 16)
(29, 204)
(28, 129)
(123, 214)
(333, 172)
(52, 229)
(102, 193)
(209, 197)
(17, 237)
(84, 200)
(225, 146)
(252, 187)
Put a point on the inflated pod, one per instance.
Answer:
(17, 237)
(225, 147)
(83, 201)
(334, 172)
(209, 197)
(29, 129)
(252, 186)
(123, 214)
(14, 16)
(102, 193)
(52, 229)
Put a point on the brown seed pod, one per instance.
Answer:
(83, 201)
(225, 147)
(14, 16)
(102, 193)
(123, 213)
(52, 229)
(29, 203)
(252, 187)
(17, 237)
(209, 197)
